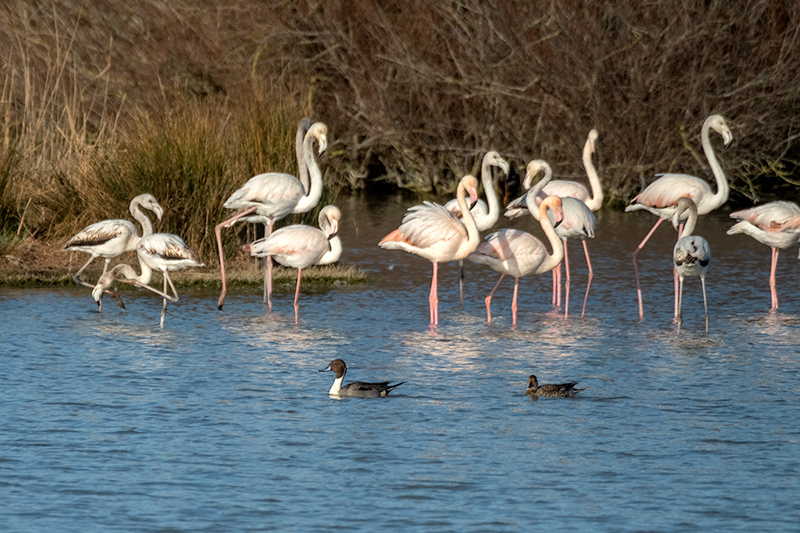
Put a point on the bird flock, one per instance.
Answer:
(444, 233)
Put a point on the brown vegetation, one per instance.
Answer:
(104, 100)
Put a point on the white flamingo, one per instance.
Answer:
(485, 215)
(579, 223)
(160, 251)
(770, 224)
(111, 238)
(268, 197)
(571, 189)
(517, 253)
(299, 246)
(661, 196)
(691, 254)
(433, 232)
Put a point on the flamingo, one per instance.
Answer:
(579, 223)
(561, 390)
(571, 189)
(661, 196)
(516, 253)
(268, 197)
(111, 238)
(485, 216)
(160, 251)
(433, 232)
(691, 254)
(769, 224)
(299, 246)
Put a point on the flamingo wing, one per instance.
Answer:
(296, 246)
(665, 191)
(566, 189)
(166, 251)
(770, 216)
(428, 225)
(272, 192)
(101, 233)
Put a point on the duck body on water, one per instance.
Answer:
(356, 389)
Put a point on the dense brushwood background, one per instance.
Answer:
(186, 99)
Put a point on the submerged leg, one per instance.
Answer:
(772, 286)
(680, 298)
(675, 273)
(514, 303)
(268, 270)
(461, 283)
(636, 268)
(589, 280)
(297, 296)
(218, 232)
(705, 304)
(488, 300)
(567, 284)
(433, 299)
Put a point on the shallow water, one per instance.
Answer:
(221, 422)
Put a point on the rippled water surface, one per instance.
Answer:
(221, 422)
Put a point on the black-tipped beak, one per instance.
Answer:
(324, 369)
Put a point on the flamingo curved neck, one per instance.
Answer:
(723, 189)
(554, 258)
(143, 219)
(302, 171)
(473, 236)
(491, 195)
(534, 192)
(311, 199)
(128, 272)
(596, 202)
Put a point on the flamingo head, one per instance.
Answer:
(494, 159)
(683, 205)
(533, 169)
(329, 218)
(105, 282)
(717, 123)
(470, 184)
(591, 140)
(148, 201)
(320, 132)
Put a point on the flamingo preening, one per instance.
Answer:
(300, 246)
(268, 197)
(485, 215)
(661, 196)
(770, 224)
(160, 251)
(691, 254)
(517, 253)
(433, 232)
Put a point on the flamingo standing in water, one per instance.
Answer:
(112, 238)
(770, 224)
(517, 253)
(579, 223)
(160, 251)
(571, 189)
(485, 216)
(433, 232)
(691, 254)
(661, 196)
(268, 197)
(299, 246)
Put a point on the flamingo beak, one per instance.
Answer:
(473, 195)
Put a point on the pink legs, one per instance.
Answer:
(297, 296)
(772, 286)
(636, 269)
(268, 270)
(433, 299)
(488, 301)
(589, 280)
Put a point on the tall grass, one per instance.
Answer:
(187, 101)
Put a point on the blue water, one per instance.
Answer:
(222, 422)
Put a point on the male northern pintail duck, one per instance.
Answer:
(356, 388)
(562, 390)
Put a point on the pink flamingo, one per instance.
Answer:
(770, 224)
(517, 253)
(691, 254)
(160, 251)
(433, 232)
(661, 196)
(571, 189)
(268, 197)
(579, 223)
(485, 216)
(299, 246)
